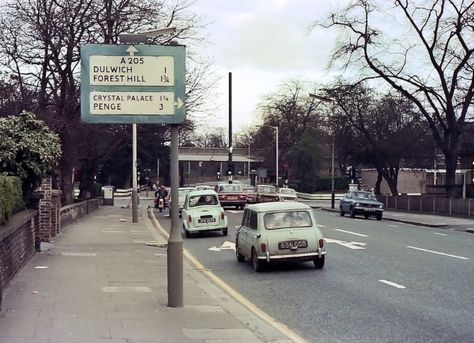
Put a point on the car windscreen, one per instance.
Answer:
(266, 189)
(284, 220)
(287, 191)
(202, 200)
(364, 196)
(230, 188)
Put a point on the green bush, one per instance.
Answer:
(11, 200)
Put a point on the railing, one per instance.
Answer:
(319, 196)
(429, 204)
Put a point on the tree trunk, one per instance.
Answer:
(451, 160)
(378, 183)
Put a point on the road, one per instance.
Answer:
(382, 282)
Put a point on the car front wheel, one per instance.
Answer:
(352, 212)
(319, 262)
(379, 216)
(240, 257)
(341, 212)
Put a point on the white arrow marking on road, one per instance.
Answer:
(393, 284)
(179, 103)
(131, 50)
(350, 232)
(350, 245)
(225, 246)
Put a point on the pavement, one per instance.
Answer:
(104, 279)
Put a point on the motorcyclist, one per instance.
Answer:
(162, 192)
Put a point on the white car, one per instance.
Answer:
(279, 231)
(287, 194)
(202, 211)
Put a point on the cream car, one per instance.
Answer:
(202, 211)
(279, 231)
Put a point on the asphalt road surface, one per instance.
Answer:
(382, 282)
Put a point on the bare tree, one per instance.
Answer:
(431, 63)
(41, 50)
(386, 129)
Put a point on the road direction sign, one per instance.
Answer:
(133, 84)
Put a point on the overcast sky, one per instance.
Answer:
(264, 43)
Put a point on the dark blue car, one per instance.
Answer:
(361, 203)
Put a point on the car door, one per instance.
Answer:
(346, 202)
(242, 233)
(252, 232)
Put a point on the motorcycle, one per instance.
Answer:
(160, 203)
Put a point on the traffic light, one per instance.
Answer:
(230, 169)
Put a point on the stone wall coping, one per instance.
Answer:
(15, 222)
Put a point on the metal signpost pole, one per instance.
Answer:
(276, 153)
(333, 200)
(134, 175)
(175, 241)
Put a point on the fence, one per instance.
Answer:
(429, 204)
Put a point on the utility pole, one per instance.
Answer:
(230, 167)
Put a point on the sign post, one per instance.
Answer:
(142, 84)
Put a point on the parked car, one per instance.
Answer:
(231, 195)
(265, 193)
(203, 212)
(283, 231)
(182, 191)
(361, 203)
(250, 192)
(287, 194)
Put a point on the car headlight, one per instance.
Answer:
(357, 203)
(380, 206)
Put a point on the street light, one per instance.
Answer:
(276, 149)
(327, 99)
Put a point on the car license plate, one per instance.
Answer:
(232, 198)
(293, 244)
(206, 220)
(370, 209)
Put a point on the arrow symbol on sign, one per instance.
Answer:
(131, 50)
(179, 103)
(225, 246)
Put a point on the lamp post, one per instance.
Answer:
(276, 149)
(327, 99)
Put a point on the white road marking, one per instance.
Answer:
(111, 231)
(438, 253)
(350, 232)
(80, 254)
(319, 225)
(393, 284)
(126, 289)
(350, 245)
(233, 211)
(225, 246)
(440, 234)
(391, 225)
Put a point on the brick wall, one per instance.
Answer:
(17, 244)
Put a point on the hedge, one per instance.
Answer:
(11, 200)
